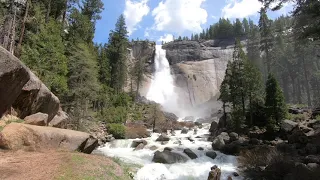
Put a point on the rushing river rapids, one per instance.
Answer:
(192, 169)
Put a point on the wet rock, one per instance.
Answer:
(229, 178)
(190, 153)
(109, 138)
(232, 149)
(288, 125)
(200, 148)
(190, 139)
(168, 157)
(235, 174)
(184, 131)
(215, 173)
(152, 148)
(163, 137)
(233, 136)
(139, 147)
(198, 122)
(135, 143)
(218, 143)
(167, 149)
(211, 154)
(38, 119)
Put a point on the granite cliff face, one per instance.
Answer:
(199, 68)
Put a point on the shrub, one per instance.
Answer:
(121, 99)
(318, 117)
(117, 130)
(114, 115)
(297, 117)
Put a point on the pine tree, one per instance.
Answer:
(276, 109)
(225, 95)
(246, 26)
(238, 29)
(266, 41)
(117, 55)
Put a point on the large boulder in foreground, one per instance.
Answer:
(13, 76)
(168, 157)
(17, 136)
(36, 97)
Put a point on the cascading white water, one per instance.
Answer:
(192, 169)
(162, 89)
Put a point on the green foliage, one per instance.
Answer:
(117, 130)
(318, 117)
(44, 54)
(121, 99)
(114, 115)
(296, 117)
(117, 54)
(276, 108)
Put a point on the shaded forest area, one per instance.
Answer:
(54, 38)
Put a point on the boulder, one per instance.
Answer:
(168, 157)
(312, 159)
(135, 143)
(233, 136)
(235, 174)
(152, 148)
(214, 128)
(170, 116)
(215, 173)
(13, 76)
(138, 131)
(211, 154)
(17, 136)
(38, 119)
(184, 131)
(36, 97)
(167, 149)
(218, 143)
(312, 166)
(163, 137)
(233, 148)
(190, 153)
(311, 148)
(297, 136)
(225, 137)
(200, 148)
(139, 147)
(60, 120)
(288, 125)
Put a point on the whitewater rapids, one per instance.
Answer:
(192, 169)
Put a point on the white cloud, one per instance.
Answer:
(134, 12)
(166, 38)
(241, 8)
(179, 16)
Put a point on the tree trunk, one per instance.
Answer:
(285, 88)
(299, 91)
(224, 115)
(48, 11)
(293, 90)
(64, 13)
(23, 27)
(306, 81)
(250, 106)
(13, 32)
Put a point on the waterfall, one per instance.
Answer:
(162, 89)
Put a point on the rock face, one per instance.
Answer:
(23, 90)
(141, 50)
(36, 97)
(13, 76)
(22, 136)
(38, 119)
(168, 157)
(199, 68)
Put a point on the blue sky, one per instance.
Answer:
(159, 20)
